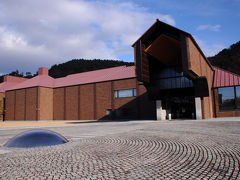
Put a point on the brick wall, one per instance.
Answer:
(2, 95)
(29, 104)
(71, 102)
(32, 103)
(20, 104)
(91, 101)
(10, 105)
(127, 106)
(58, 104)
(87, 101)
(103, 99)
(46, 103)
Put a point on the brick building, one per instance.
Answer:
(171, 79)
(112, 93)
(180, 79)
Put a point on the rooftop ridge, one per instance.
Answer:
(116, 67)
(10, 78)
(100, 75)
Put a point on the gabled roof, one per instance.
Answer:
(223, 78)
(40, 80)
(43, 80)
(9, 82)
(6, 85)
(146, 33)
(161, 24)
(121, 72)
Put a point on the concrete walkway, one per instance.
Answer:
(19, 124)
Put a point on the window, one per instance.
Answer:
(172, 78)
(226, 98)
(125, 93)
(118, 113)
(170, 72)
(238, 97)
(172, 83)
(134, 92)
(109, 112)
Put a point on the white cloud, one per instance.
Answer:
(41, 33)
(209, 27)
(209, 49)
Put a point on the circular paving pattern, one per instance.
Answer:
(123, 157)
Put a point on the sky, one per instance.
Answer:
(42, 33)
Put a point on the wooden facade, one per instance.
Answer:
(174, 48)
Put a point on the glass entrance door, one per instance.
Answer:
(181, 107)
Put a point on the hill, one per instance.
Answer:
(83, 65)
(228, 59)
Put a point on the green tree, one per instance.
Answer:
(228, 59)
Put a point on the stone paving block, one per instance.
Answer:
(174, 150)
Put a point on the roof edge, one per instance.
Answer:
(184, 32)
(225, 70)
(158, 21)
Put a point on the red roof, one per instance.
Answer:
(43, 80)
(9, 82)
(40, 80)
(223, 78)
(6, 85)
(121, 72)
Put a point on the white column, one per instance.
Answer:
(161, 113)
(198, 108)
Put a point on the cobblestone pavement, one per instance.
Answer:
(206, 149)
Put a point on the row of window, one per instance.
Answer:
(229, 98)
(177, 82)
(171, 78)
(125, 93)
(169, 72)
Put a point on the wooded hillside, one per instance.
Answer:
(83, 65)
(228, 59)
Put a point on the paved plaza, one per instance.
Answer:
(180, 149)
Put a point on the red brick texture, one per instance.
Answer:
(10, 105)
(71, 102)
(86, 102)
(58, 104)
(46, 103)
(2, 96)
(127, 106)
(20, 104)
(31, 104)
(103, 99)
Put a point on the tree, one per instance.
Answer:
(228, 59)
